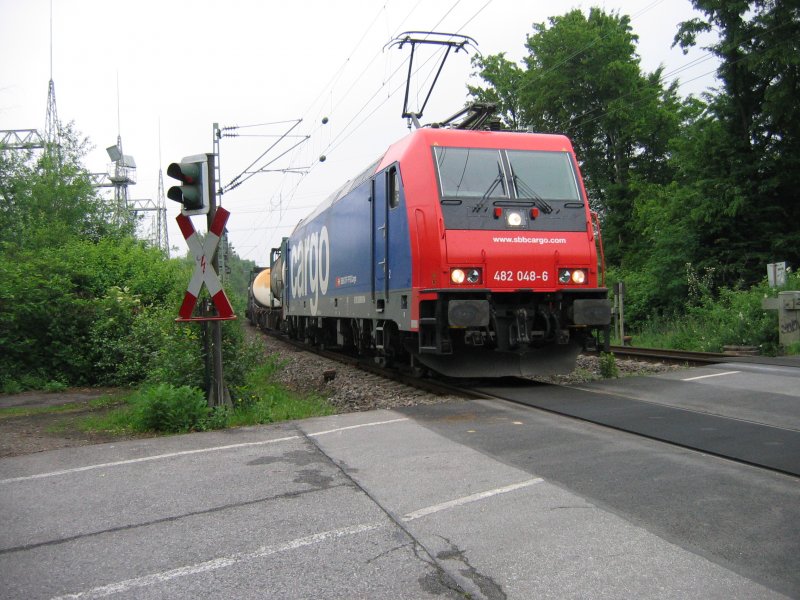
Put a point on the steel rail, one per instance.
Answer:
(669, 356)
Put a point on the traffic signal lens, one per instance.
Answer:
(193, 172)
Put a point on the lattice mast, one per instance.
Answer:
(162, 236)
(122, 174)
(120, 179)
(52, 126)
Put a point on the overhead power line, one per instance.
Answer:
(353, 124)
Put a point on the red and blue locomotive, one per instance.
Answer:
(471, 253)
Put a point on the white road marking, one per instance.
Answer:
(357, 427)
(219, 563)
(227, 561)
(133, 461)
(423, 512)
(707, 376)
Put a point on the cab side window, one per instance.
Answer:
(393, 193)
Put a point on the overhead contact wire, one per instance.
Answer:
(339, 140)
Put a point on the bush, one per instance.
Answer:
(77, 311)
(169, 409)
(712, 320)
(54, 386)
(240, 355)
(82, 302)
(103, 313)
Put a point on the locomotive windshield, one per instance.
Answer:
(547, 175)
(477, 183)
(470, 173)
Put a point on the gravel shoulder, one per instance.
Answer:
(350, 390)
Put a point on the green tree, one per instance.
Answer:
(505, 79)
(81, 300)
(582, 77)
(48, 198)
(237, 275)
(747, 178)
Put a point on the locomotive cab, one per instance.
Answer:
(518, 292)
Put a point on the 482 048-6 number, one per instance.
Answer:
(520, 276)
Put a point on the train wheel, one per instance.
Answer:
(362, 336)
(417, 369)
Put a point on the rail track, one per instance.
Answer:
(464, 388)
(669, 356)
(431, 385)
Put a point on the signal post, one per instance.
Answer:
(197, 195)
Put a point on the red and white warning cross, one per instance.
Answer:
(204, 270)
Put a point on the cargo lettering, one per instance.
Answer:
(311, 265)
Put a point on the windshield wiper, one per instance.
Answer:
(497, 181)
(531, 193)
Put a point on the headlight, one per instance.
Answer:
(576, 276)
(513, 219)
(470, 275)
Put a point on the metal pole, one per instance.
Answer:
(622, 313)
(205, 339)
(619, 310)
(216, 178)
(218, 394)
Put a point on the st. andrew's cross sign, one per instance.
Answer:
(203, 252)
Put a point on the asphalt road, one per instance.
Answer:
(480, 499)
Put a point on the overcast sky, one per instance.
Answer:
(185, 64)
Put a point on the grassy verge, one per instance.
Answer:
(170, 409)
(712, 319)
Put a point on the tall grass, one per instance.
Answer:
(263, 400)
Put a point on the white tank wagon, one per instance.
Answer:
(263, 307)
